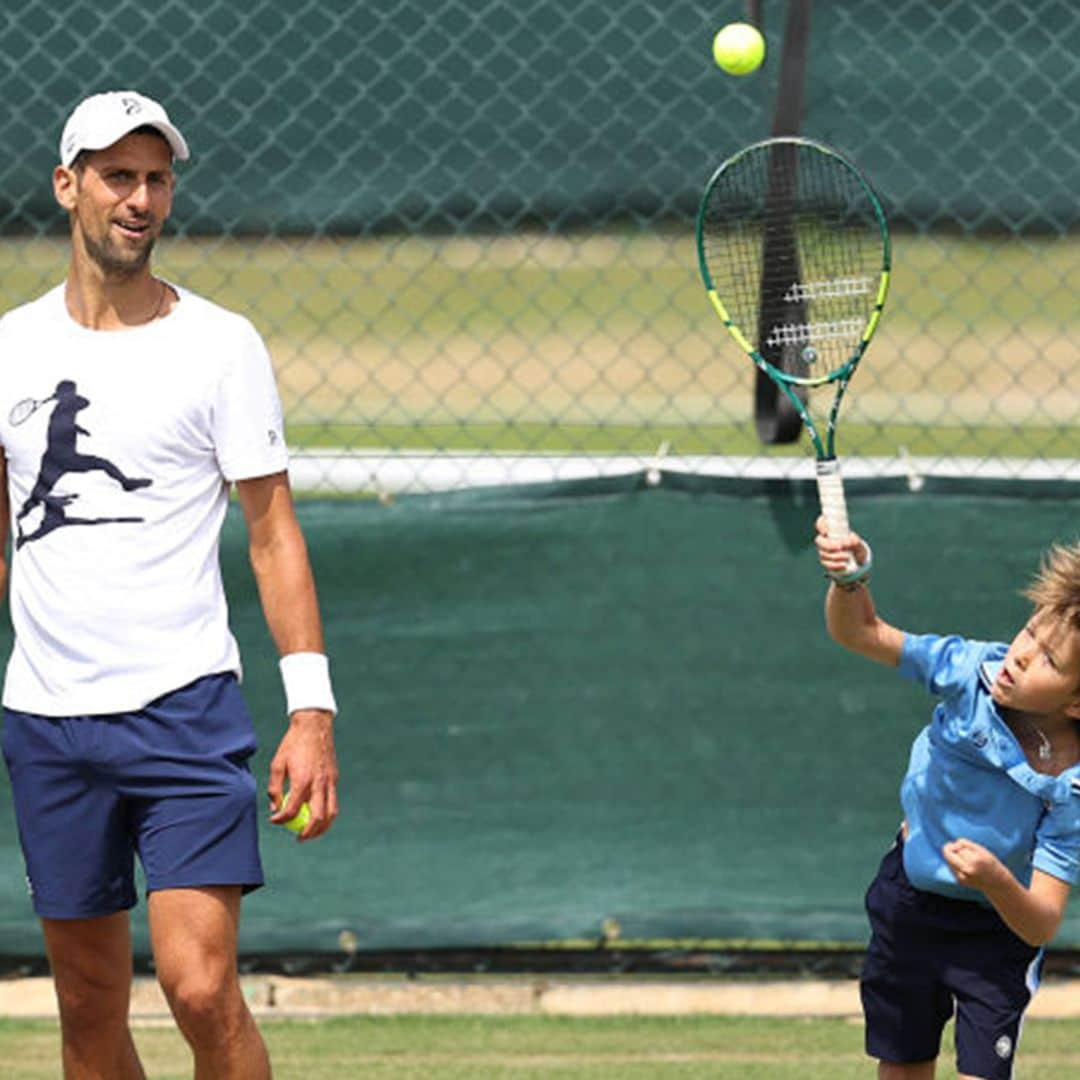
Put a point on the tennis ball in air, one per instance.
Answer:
(738, 48)
(299, 823)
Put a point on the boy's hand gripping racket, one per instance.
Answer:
(793, 247)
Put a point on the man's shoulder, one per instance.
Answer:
(32, 312)
(210, 313)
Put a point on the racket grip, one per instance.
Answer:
(833, 503)
(830, 485)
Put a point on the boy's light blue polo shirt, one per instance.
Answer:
(968, 777)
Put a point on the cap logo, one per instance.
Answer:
(131, 105)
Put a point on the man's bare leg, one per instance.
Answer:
(91, 965)
(194, 936)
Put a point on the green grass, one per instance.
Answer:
(401, 286)
(604, 343)
(732, 439)
(470, 1047)
(480, 285)
(534, 282)
(984, 280)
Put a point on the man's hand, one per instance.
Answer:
(306, 763)
(973, 865)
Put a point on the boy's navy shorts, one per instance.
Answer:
(930, 955)
(169, 783)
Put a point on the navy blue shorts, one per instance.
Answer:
(931, 955)
(169, 783)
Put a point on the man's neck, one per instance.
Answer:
(103, 303)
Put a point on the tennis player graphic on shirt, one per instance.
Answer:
(61, 457)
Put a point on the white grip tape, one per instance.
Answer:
(830, 485)
(306, 679)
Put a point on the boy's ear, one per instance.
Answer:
(1072, 710)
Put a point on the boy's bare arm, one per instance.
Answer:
(1033, 914)
(850, 615)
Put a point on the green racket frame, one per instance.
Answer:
(825, 449)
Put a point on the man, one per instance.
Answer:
(124, 730)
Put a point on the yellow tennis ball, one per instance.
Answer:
(738, 48)
(298, 823)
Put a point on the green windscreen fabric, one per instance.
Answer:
(566, 705)
(468, 115)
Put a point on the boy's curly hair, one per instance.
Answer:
(1056, 587)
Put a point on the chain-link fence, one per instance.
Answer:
(465, 229)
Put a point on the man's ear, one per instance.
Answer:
(65, 186)
(1072, 710)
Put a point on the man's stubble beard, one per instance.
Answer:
(114, 265)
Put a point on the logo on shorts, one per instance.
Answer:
(29, 885)
(1003, 1047)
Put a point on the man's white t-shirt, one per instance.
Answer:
(119, 482)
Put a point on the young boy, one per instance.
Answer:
(977, 881)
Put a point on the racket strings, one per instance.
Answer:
(838, 277)
(792, 241)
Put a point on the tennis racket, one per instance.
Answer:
(793, 247)
(22, 410)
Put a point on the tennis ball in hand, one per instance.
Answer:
(738, 48)
(299, 823)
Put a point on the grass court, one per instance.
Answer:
(623, 1048)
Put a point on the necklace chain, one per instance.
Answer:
(1046, 749)
(163, 291)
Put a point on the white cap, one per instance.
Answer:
(103, 119)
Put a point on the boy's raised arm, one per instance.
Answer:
(850, 615)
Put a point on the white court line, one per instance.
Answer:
(410, 471)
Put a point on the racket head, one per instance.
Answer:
(793, 248)
(21, 411)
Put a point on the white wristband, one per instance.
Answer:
(306, 678)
